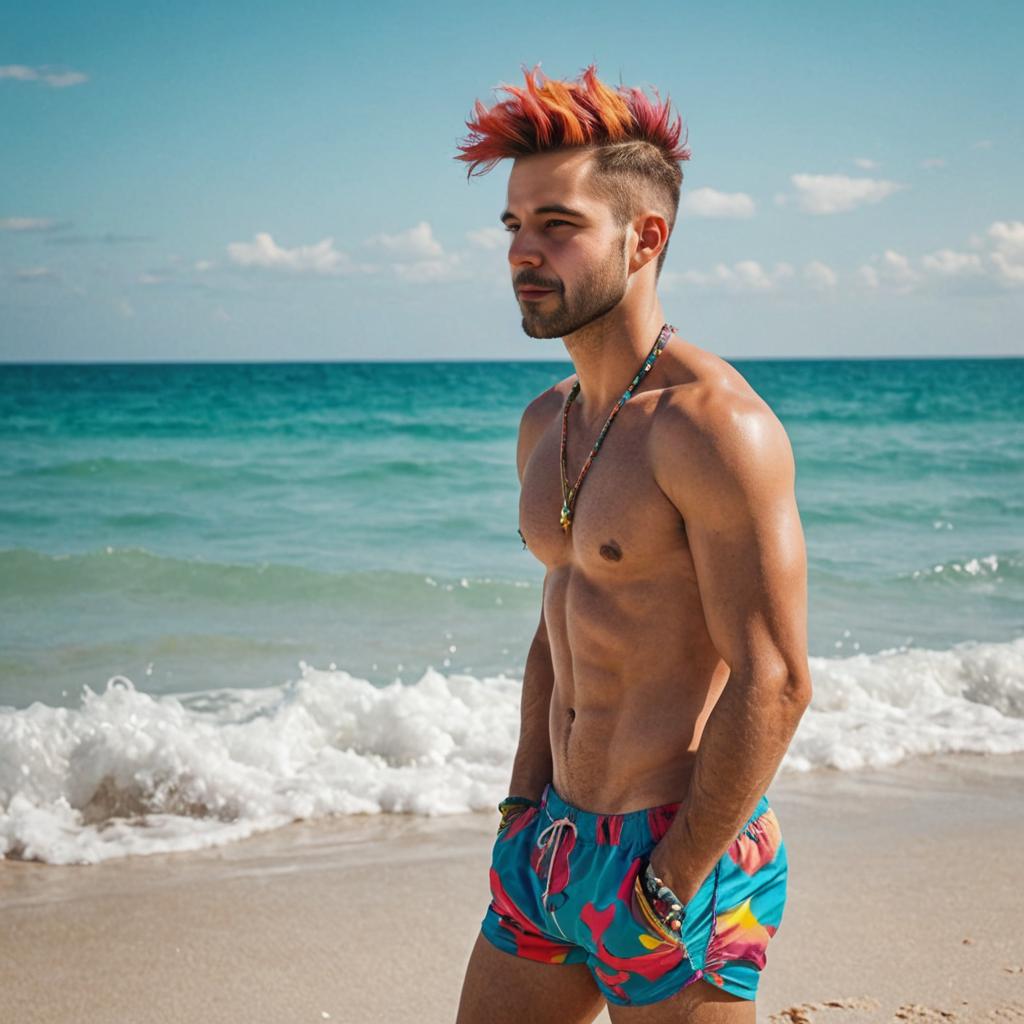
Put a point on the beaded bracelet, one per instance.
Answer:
(663, 901)
(513, 805)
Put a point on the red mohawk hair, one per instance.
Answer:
(549, 114)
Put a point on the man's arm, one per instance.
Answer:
(731, 474)
(532, 769)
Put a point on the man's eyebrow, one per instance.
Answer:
(549, 208)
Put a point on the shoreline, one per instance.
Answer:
(902, 893)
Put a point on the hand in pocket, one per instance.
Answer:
(645, 915)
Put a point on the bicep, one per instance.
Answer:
(748, 549)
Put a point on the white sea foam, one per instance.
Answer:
(129, 773)
(987, 566)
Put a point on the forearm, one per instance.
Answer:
(531, 769)
(743, 743)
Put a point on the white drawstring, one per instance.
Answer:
(553, 835)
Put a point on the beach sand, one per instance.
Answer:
(904, 905)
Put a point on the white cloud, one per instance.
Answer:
(897, 265)
(488, 238)
(865, 164)
(949, 263)
(1007, 255)
(19, 72)
(419, 258)
(869, 276)
(932, 162)
(125, 308)
(413, 255)
(982, 144)
(837, 193)
(820, 275)
(417, 243)
(44, 73)
(892, 270)
(744, 275)
(320, 259)
(708, 202)
(202, 266)
(1008, 236)
(29, 274)
(997, 261)
(27, 224)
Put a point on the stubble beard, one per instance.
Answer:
(596, 296)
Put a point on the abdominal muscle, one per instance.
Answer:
(636, 677)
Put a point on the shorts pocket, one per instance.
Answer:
(644, 914)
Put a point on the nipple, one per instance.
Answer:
(611, 551)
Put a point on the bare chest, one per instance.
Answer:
(623, 524)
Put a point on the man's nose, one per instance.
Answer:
(522, 253)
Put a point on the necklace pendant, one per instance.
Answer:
(566, 519)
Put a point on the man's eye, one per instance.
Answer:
(547, 224)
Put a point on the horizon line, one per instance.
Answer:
(566, 359)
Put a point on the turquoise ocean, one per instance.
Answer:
(234, 595)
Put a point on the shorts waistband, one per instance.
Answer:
(634, 828)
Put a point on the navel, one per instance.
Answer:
(611, 551)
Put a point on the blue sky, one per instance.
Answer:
(275, 181)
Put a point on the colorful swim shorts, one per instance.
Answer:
(562, 887)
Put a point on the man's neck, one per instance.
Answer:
(607, 355)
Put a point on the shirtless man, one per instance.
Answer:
(639, 863)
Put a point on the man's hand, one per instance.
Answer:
(683, 883)
(660, 903)
(511, 807)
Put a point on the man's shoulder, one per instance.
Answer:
(547, 406)
(716, 425)
(710, 396)
(540, 413)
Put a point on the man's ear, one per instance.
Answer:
(651, 234)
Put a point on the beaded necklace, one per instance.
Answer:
(569, 494)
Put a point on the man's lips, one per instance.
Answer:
(534, 293)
